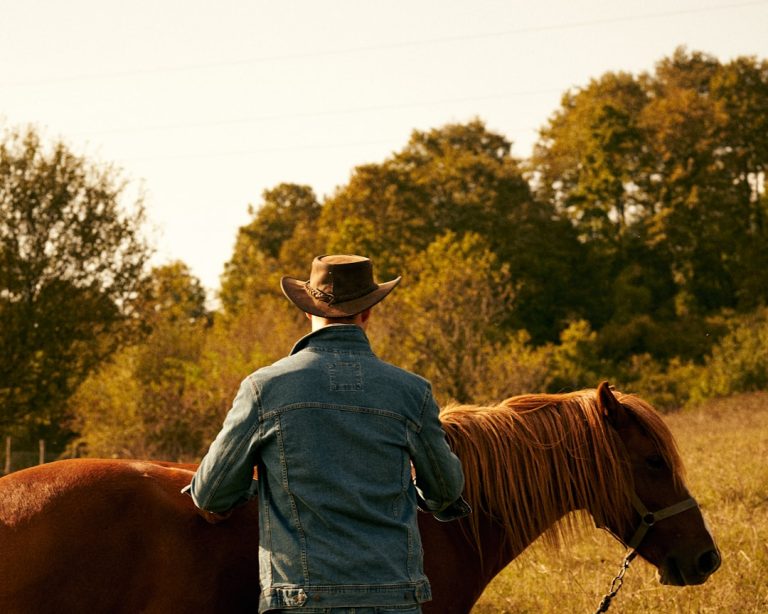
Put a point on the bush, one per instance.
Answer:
(666, 388)
(575, 362)
(739, 362)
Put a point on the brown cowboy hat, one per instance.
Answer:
(339, 286)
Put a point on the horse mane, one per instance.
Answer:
(530, 459)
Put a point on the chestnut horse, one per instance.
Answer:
(117, 536)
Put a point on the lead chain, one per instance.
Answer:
(616, 584)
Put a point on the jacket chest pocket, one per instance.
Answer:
(345, 376)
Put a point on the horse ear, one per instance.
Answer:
(613, 411)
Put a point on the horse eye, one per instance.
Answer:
(655, 462)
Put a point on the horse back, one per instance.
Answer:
(118, 536)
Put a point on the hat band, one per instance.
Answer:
(319, 294)
(331, 299)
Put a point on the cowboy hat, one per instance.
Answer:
(339, 286)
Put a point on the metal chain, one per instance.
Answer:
(616, 584)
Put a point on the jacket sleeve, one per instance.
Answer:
(224, 478)
(439, 476)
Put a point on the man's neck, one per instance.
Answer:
(319, 322)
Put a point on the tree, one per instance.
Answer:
(282, 234)
(458, 178)
(741, 89)
(706, 123)
(686, 182)
(234, 347)
(461, 178)
(71, 260)
(136, 405)
(575, 363)
(285, 208)
(588, 157)
(445, 324)
(662, 176)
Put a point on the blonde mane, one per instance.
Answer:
(533, 457)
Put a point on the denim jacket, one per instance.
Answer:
(333, 432)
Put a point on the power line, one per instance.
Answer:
(260, 151)
(315, 114)
(278, 149)
(390, 46)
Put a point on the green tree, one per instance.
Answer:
(708, 158)
(285, 208)
(282, 236)
(589, 155)
(143, 411)
(662, 176)
(741, 89)
(461, 178)
(71, 260)
(445, 322)
(686, 183)
(235, 347)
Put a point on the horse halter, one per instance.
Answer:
(647, 520)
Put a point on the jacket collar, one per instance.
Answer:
(335, 336)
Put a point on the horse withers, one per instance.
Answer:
(116, 536)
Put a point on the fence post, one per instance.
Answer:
(7, 455)
(41, 457)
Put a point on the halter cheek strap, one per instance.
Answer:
(648, 519)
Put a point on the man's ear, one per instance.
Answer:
(613, 411)
(365, 315)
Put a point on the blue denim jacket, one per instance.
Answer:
(333, 431)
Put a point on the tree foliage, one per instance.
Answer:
(71, 262)
(632, 246)
(461, 178)
(447, 321)
(281, 233)
(136, 404)
(739, 362)
(661, 174)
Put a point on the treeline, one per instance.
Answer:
(631, 246)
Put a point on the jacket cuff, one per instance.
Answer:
(458, 509)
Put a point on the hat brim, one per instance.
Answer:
(294, 290)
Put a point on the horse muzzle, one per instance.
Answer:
(673, 573)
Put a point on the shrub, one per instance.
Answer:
(739, 362)
(666, 388)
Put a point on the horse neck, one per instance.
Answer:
(528, 474)
(498, 545)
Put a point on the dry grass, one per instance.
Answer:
(725, 449)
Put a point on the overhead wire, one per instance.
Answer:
(392, 45)
(348, 51)
(322, 113)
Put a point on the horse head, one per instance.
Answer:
(662, 522)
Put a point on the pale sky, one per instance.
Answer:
(207, 104)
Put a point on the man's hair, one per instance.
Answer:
(343, 320)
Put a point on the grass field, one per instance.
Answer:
(725, 448)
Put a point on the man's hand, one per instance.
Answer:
(209, 517)
(213, 517)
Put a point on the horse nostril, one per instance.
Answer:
(708, 562)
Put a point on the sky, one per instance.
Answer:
(204, 105)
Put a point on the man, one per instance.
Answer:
(334, 433)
